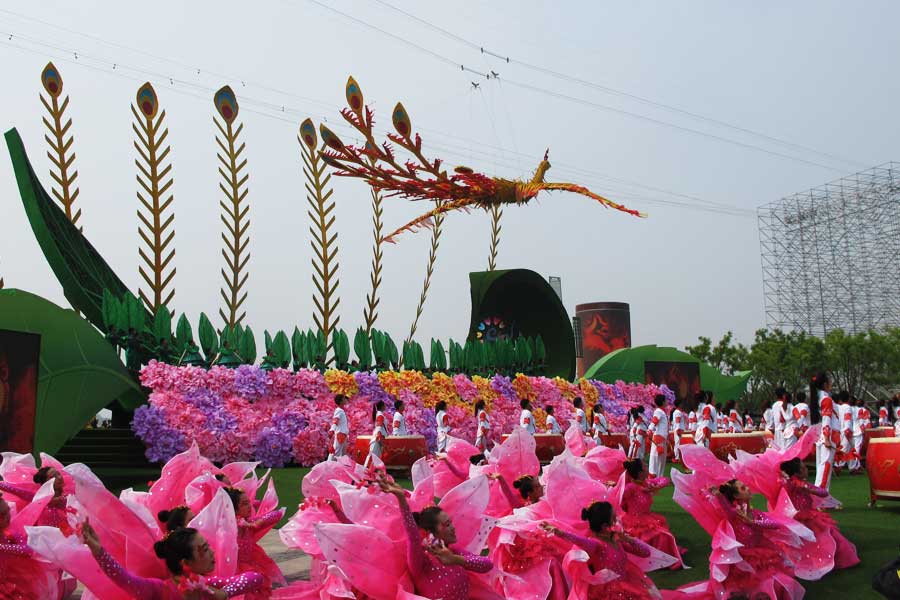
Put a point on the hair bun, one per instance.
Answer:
(517, 483)
(585, 514)
(163, 515)
(159, 548)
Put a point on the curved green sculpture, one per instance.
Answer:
(627, 364)
(79, 372)
(526, 299)
(80, 269)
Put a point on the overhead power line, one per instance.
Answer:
(610, 90)
(281, 112)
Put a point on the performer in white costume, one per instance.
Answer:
(659, 437)
(339, 431)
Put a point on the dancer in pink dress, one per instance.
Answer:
(250, 529)
(55, 512)
(437, 568)
(23, 575)
(608, 573)
(749, 547)
(189, 559)
(830, 550)
(637, 519)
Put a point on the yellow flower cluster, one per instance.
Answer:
(565, 388)
(522, 385)
(341, 382)
(588, 392)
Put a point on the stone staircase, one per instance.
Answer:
(111, 449)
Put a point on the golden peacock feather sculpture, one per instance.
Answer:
(424, 179)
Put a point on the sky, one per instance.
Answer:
(693, 112)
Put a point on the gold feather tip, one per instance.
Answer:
(147, 101)
(401, 120)
(354, 95)
(330, 139)
(226, 103)
(52, 80)
(308, 134)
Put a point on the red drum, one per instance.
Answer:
(614, 440)
(875, 432)
(399, 451)
(687, 439)
(883, 467)
(724, 445)
(547, 445)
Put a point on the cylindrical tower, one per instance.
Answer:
(605, 326)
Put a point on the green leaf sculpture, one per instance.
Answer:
(183, 333)
(79, 372)
(79, 268)
(362, 349)
(281, 348)
(298, 348)
(209, 341)
(247, 346)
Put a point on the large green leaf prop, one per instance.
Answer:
(80, 269)
(79, 371)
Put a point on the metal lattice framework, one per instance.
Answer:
(831, 255)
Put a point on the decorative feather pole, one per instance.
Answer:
(429, 270)
(370, 312)
(154, 179)
(323, 234)
(496, 215)
(234, 215)
(63, 175)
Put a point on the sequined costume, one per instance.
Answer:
(610, 574)
(639, 522)
(145, 588)
(252, 558)
(830, 550)
(55, 513)
(23, 576)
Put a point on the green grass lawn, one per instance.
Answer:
(875, 531)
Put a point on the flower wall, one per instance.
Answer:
(278, 417)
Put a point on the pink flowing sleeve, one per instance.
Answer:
(15, 490)
(590, 545)
(515, 500)
(267, 520)
(636, 547)
(141, 588)
(475, 563)
(817, 491)
(415, 553)
(657, 483)
(455, 470)
(236, 585)
(762, 520)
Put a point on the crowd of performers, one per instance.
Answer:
(479, 522)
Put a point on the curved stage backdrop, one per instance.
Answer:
(524, 304)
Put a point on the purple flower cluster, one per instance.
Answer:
(218, 419)
(163, 442)
(503, 386)
(370, 388)
(250, 383)
(274, 447)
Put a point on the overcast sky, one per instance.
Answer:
(819, 75)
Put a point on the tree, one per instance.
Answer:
(726, 356)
